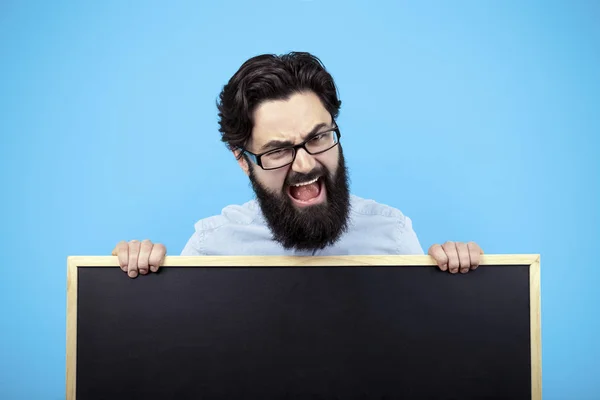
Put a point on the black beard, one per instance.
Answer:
(314, 227)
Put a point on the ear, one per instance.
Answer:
(241, 161)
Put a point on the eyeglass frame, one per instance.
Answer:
(256, 158)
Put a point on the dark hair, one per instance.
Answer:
(270, 77)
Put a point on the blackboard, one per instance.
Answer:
(350, 327)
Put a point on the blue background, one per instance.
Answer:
(478, 119)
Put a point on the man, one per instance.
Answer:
(278, 117)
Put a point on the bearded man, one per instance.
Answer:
(277, 115)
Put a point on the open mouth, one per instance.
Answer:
(307, 193)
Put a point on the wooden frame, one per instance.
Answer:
(76, 262)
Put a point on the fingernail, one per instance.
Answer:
(153, 268)
(132, 274)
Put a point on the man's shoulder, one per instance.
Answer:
(378, 228)
(233, 214)
(364, 208)
(238, 229)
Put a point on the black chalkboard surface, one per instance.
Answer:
(353, 327)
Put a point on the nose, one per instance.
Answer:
(304, 162)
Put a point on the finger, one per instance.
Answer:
(453, 262)
(463, 257)
(144, 257)
(439, 256)
(157, 256)
(121, 250)
(475, 254)
(134, 252)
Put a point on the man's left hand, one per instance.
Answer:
(456, 256)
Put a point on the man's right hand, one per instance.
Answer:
(137, 257)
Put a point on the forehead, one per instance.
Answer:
(289, 119)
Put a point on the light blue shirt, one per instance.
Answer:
(374, 229)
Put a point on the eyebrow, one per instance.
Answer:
(283, 143)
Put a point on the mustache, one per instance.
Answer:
(295, 178)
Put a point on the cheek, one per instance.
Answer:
(273, 180)
(331, 163)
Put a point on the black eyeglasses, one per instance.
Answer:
(278, 158)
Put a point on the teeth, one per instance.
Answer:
(306, 183)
